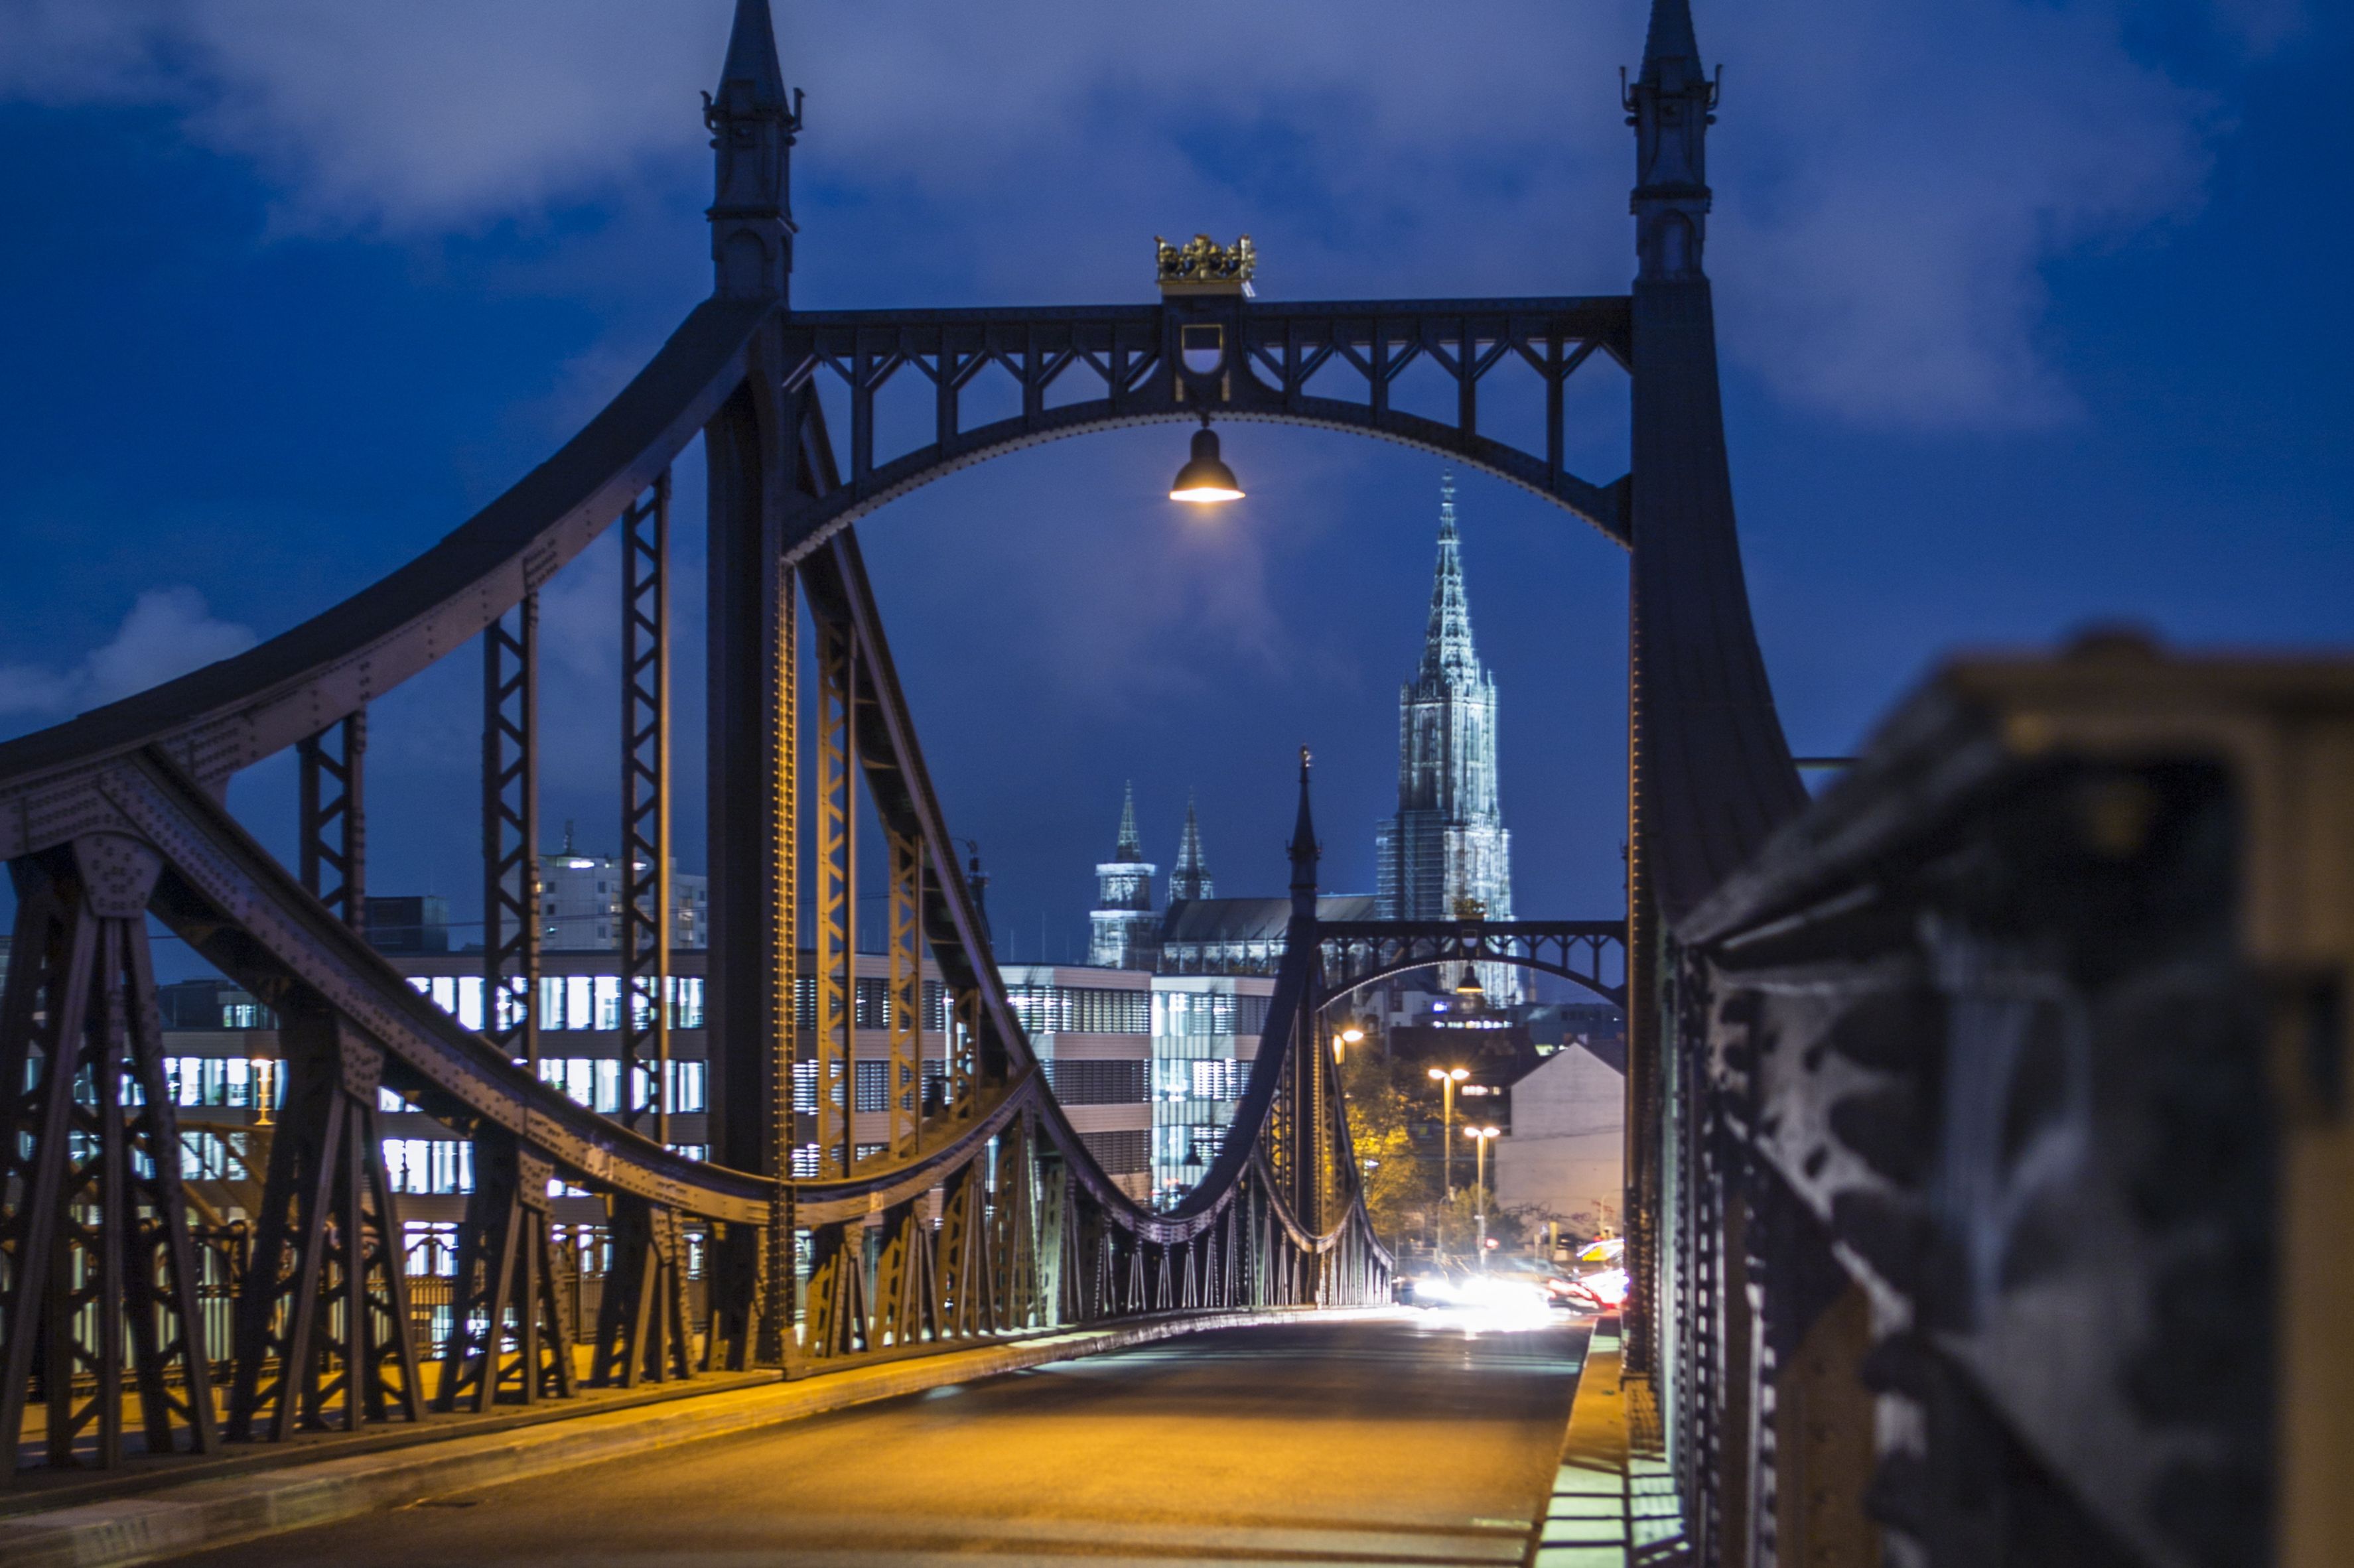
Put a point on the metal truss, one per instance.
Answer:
(333, 826)
(903, 1109)
(1077, 369)
(643, 1331)
(98, 1271)
(324, 1314)
(1357, 953)
(646, 903)
(511, 915)
(508, 1264)
(835, 904)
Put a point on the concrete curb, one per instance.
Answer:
(219, 1512)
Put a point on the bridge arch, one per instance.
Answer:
(1269, 354)
(1602, 990)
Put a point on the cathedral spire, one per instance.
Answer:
(1305, 852)
(1191, 877)
(1446, 651)
(753, 122)
(1131, 845)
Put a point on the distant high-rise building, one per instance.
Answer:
(580, 902)
(1447, 853)
(1123, 930)
(1191, 880)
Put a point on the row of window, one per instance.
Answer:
(873, 1087)
(1194, 1012)
(594, 1002)
(441, 1167)
(431, 1247)
(1212, 1079)
(566, 1002)
(1121, 1153)
(596, 1082)
(247, 1082)
(1098, 1083)
(1081, 1010)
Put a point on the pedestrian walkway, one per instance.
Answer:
(1614, 1501)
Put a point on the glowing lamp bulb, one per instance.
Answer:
(1205, 480)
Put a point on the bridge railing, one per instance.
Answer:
(2007, 1116)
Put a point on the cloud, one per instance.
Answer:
(168, 632)
(1892, 174)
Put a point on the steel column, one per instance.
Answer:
(511, 914)
(333, 821)
(836, 1039)
(904, 1106)
(646, 858)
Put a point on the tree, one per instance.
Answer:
(1399, 1188)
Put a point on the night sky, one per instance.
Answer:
(2033, 316)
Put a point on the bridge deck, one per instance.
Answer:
(1388, 1441)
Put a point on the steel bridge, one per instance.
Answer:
(1838, 1102)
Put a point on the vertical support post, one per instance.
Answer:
(325, 1308)
(645, 812)
(757, 472)
(511, 832)
(96, 1238)
(837, 897)
(508, 1262)
(904, 1115)
(333, 817)
(642, 1330)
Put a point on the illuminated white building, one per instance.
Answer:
(1123, 931)
(580, 904)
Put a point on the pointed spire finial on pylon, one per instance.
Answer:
(753, 122)
(1669, 37)
(1670, 105)
(752, 58)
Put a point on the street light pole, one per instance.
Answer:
(1448, 1078)
(1479, 1136)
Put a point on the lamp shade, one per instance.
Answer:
(1205, 480)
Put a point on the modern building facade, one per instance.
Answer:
(1206, 1035)
(1448, 853)
(1092, 1029)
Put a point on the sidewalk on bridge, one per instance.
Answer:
(217, 1512)
(1614, 1503)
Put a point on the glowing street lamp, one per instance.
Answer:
(1479, 1136)
(1205, 480)
(1448, 1078)
(1349, 1034)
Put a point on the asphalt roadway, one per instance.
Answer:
(1416, 1439)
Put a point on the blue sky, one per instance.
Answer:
(2032, 316)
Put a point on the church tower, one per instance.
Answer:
(1192, 878)
(1123, 931)
(1447, 855)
